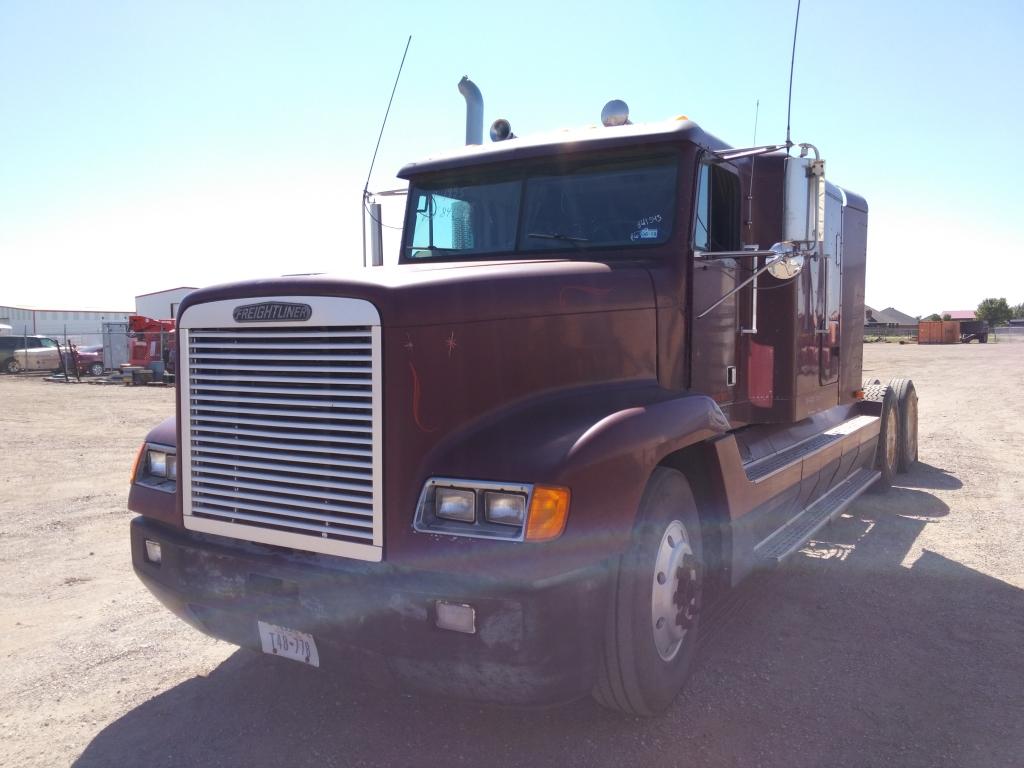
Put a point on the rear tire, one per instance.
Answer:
(906, 440)
(11, 365)
(96, 369)
(887, 450)
(654, 611)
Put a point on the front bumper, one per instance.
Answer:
(535, 643)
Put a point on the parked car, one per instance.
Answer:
(90, 360)
(28, 353)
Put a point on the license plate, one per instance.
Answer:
(290, 643)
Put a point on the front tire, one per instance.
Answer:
(651, 630)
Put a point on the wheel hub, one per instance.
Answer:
(675, 592)
(687, 594)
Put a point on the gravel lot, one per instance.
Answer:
(895, 639)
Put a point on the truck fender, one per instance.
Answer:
(660, 428)
(602, 444)
(608, 467)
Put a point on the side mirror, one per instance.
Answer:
(804, 200)
(786, 263)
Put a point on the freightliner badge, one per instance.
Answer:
(272, 311)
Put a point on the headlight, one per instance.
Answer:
(485, 509)
(505, 508)
(455, 504)
(156, 463)
(157, 468)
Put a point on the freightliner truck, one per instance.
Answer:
(615, 370)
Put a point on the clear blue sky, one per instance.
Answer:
(148, 145)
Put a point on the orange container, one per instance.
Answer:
(938, 332)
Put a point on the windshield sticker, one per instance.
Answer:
(655, 219)
(647, 233)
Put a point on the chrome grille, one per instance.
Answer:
(282, 435)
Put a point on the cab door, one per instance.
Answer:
(714, 367)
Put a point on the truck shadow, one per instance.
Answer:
(862, 650)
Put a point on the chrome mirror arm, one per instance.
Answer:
(779, 254)
(715, 255)
(734, 291)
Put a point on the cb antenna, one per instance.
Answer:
(753, 161)
(366, 186)
(792, 59)
(387, 112)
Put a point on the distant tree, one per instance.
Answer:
(1018, 312)
(947, 316)
(996, 311)
(934, 316)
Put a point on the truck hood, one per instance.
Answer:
(447, 293)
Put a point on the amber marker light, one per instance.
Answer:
(135, 464)
(549, 509)
(858, 394)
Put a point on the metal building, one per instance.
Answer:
(79, 326)
(161, 305)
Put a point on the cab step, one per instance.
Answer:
(767, 466)
(794, 534)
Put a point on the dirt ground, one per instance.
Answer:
(896, 639)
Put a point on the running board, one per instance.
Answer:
(776, 462)
(794, 534)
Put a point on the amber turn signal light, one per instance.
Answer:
(135, 464)
(549, 509)
(858, 394)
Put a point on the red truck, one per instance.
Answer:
(151, 341)
(616, 370)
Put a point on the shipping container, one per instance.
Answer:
(938, 332)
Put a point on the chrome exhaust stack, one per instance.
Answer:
(474, 111)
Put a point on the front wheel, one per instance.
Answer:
(651, 630)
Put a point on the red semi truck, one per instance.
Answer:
(615, 370)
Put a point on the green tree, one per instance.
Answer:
(1018, 312)
(996, 311)
(934, 316)
(946, 316)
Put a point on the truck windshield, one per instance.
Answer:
(620, 205)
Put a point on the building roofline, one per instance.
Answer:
(72, 309)
(168, 290)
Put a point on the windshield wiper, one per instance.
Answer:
(578, 242)
(558, 236)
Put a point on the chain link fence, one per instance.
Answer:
(96, 352)
(1011, 333)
